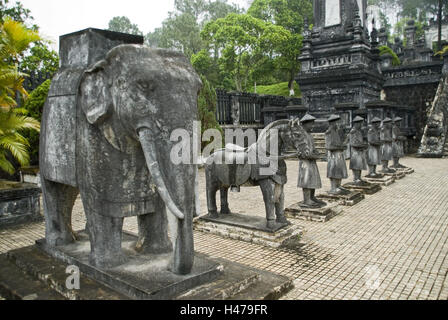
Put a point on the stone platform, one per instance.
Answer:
(324, 214)
(406, 170)
(19, 203)
(366, 189)
(398, 175)
(250, 229)
(345, 200)
(381, 181)
(32, 274)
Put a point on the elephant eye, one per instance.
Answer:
(145, 86)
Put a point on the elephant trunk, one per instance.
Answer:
(179, 197)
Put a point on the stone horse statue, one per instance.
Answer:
(262, 164)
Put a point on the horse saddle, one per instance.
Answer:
(235, 169)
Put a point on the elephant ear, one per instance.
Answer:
(94, 94)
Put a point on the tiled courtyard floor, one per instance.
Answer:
(392, 245)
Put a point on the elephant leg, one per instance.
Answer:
(105, 235)
(268, 189)
(225, 201)
(153, 231)
(58, 200)
(280, 203)
(212, 188)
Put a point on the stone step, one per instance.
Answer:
(52, 276)
(241, 282)
(16, 285)
(30, 274)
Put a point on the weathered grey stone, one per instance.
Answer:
(381, 180)
(350, 199)
(251, 229)
(309, 177)
(143, 276)
(234, 166)
(105, 134)
(31, 274)
(19, 203)
(324, 214)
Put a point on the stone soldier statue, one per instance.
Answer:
(358, 161)
(386, 145)
(397, 145)
(374, 151)
(309, 177)
(336, 168)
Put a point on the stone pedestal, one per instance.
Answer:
(19, 203)
(345, 200)
(381, 180)
(250, 229)
(324, 214)
(367, 188)
(405, 170)
(39, 273)
(396, 175)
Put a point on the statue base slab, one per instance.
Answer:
(405, 170)
(250, 229)
(344, 200)
(32, 274)
(298, 211)
(381, 181)
(397, 175)
(367, 189)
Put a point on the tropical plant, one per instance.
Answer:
(386, 50)
(442, 52)
(15, 38)
(12, 140)
(207, 108)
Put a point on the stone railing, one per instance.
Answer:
(249, 109)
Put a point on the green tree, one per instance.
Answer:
(386, 50)
(181, 30)
(246, 45)
(207, 108)
(123, 24)
(16, 12)
(39, 59)
(15, 38)
(291, 15)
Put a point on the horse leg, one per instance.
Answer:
(267, 188)
(224, 201)
(280, 203)
(211, 186)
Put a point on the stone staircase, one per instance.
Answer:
(319, 142)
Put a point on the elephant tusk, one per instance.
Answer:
(153, 166)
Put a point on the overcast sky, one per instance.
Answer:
(58, 17)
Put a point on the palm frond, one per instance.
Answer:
(5, 165)
(18, 146)
(10, 121)
(16, 37)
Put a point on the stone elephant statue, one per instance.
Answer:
(114, 150)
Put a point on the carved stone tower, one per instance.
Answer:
(340, 64)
